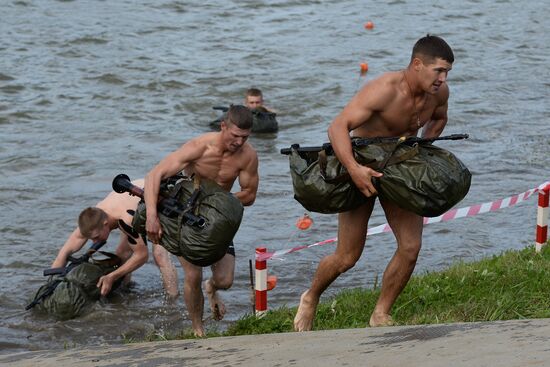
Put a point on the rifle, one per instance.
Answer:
(62, 271)
(361, 142)
(167, 206)
(221, 108)
(74, 262)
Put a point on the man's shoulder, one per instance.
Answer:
(389, 80)
(199, 144)
(248, 153)
(383, 88)
(204, 139)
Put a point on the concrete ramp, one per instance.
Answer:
(502, 344)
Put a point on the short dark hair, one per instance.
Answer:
(239, 116)
(431, 47)
(91, 219)
(254, 92)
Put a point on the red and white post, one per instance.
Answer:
(542, 218)
(261, 283)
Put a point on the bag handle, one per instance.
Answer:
(389, 160)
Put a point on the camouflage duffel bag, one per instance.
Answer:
(69, 295)
(200, 245)
(321, 183)
(428, 183)
(420, 177)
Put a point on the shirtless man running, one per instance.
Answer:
(222, 157)
(395, 104)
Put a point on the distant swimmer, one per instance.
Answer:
(211, 163)
(264, 119)
(394, 105)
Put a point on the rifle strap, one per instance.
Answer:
(196, 182)
(390, 159)
(394, 158)
(196, 188)
(45, 293)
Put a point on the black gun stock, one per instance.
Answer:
(167, 206)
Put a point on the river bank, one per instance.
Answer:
(472, 304)
(510, 285)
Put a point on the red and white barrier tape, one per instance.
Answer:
(469, 211)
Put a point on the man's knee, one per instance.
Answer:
(345, 262)
(409, 253)
(223, 282)
(192, 279)
(161, 256)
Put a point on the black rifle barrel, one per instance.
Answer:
(359, 142)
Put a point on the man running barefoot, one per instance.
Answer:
(222, 157)
(395, 104)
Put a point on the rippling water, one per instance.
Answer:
(89, 89)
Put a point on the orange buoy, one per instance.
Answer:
(271, 282)
(304, 222)
(369, 25)
(364, 68)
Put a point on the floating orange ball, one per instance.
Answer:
(271, 282)
(369, 25)
(304, 222)
(364, 67)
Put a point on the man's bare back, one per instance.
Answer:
(117, 205)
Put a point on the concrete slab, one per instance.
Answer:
(503, 344)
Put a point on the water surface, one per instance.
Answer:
(90, 89)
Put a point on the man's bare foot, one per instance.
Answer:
(306, 313)
(199, 332)
(380, 319)
(170, 299)
(216, 304)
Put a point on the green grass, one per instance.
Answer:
(512, 285)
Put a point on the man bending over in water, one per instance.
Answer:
(96, 223)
